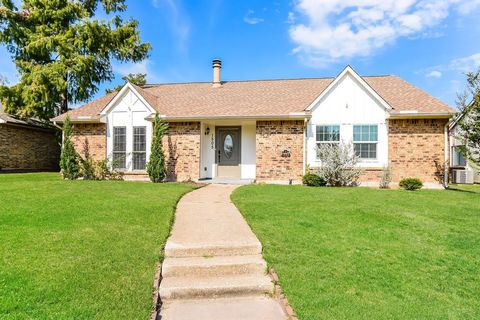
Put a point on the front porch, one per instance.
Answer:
(228, 150)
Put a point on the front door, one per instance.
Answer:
(228, 152)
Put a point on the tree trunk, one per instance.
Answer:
(63, 103)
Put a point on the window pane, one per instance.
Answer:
(139, 160)
(119, 147)
(139, 139)
(119, 160)
(328, 133)
(458, 158)
(139, 155)
(119, 139)
(366, 150)
(365, 133)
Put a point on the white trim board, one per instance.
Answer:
(349, 70)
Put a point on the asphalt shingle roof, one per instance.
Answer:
(260, 98)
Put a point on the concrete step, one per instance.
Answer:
(244, 308)
(136, 177)
(214, 266)
(174, 250)
(214, 287)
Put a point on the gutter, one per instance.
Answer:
(420, 115)
(290, 116)
(81, 120)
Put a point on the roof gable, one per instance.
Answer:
(128, 87)
(349, 71)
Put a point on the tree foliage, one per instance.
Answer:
(69, 159)
(156, 165)
(468, 127)
(136, 78)
(338, 164)
(63, 52)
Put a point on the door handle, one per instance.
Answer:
(218, 156)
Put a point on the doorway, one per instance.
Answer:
(228, 152)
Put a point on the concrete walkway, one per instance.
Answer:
(213, 266)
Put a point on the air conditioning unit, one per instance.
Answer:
(462, 176)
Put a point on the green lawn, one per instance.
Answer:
(360, 253)
(81, 249)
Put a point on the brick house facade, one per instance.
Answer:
(90, 138)
(417, 148)
(269, 130)
(181, 145)
(26, 147)
(280, 150)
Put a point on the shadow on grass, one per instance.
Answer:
(457, 189)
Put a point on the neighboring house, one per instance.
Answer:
(27, 145)
(461, 170)
(268, 130)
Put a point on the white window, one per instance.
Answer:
(458, 160)
(139, 148)
(119, 147)
(327, 134)
(365, 140)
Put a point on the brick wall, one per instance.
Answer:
(373, 175)
(181, 145)
(28, 149)
(96, 136)
(272, 138)
(415, 147)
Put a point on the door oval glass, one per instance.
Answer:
(228, 146)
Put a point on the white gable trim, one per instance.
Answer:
(349, 70)
(128, 86)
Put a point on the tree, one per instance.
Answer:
(156, 165)
(136, 78)
(69, 159)
(468, 126)
(63, 52)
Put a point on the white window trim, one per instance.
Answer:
(322, 142)
(366, 160)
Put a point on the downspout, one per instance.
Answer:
(305, 145)
(447, 158)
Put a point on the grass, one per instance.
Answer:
(360, 253)
(81, 249)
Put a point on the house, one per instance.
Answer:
(268, 130)
(27, 145)
(461, 170)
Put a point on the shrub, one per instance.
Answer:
(386, 178)
(156, 165)
(96, 170)
(69, 159)
(313, 180)
(411, 184)
(338, 164)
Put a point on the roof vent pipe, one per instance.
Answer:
(217, 65)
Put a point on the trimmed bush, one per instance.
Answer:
(411, 184)
(69, 159)
(156, 166)
(313, 180)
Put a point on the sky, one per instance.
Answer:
(430, 43)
